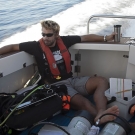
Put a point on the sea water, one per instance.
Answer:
(20, 20)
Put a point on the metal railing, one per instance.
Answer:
(107, 16)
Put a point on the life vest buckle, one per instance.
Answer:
(58, 77)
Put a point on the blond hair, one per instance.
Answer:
(51, 25)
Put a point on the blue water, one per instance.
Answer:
(17, 15)
(20, 19)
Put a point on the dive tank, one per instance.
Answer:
(116, 127)
(81, 123)
(113, 129)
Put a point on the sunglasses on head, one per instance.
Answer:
(48, 35)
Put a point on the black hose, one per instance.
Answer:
(47, 123)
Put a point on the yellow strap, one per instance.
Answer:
(58, 77)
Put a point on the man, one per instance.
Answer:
(53, 61)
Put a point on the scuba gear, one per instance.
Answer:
(18, 111)
(82, 123)
(79, 125)
(119, 126)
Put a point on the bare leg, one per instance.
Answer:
(79, 102)
(114, 110)
(97, 86)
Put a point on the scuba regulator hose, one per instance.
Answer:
(46, 123)
(19, 104)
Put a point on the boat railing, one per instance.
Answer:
(107, 16)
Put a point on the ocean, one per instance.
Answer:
(20, 20)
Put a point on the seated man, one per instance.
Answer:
(54, 64)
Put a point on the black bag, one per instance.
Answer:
(29, 107)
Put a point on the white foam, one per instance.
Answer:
(73, 21)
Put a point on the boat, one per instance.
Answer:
(107, 59)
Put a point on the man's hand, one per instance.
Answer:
(111, 37)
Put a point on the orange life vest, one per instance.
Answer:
(50, 58)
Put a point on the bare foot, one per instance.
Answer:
(114, 110)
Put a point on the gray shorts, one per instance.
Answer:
(75, 85)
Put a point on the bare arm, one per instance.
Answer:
(9, 48)
(96, 38)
